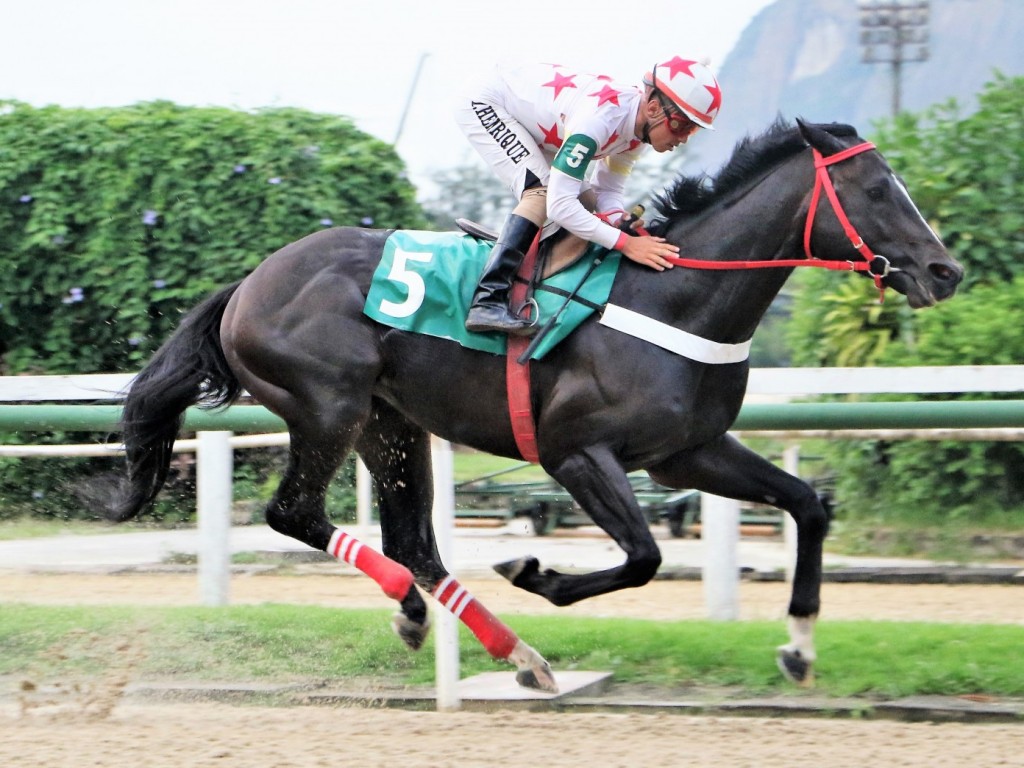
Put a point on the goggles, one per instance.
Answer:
(679, 125)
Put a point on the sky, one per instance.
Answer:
(358, 59)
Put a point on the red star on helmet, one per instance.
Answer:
(677, 65)
(560, 82)
(551, 135)
(716, 98)
(605, 95)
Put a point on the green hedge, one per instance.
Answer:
(115, 221)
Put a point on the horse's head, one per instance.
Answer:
(875, 208)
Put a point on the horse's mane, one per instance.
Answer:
(753, 156)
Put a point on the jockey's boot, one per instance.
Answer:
(490, 308)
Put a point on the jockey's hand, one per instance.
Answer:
(650, 251)
(632, 221)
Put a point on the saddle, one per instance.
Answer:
(555, 253)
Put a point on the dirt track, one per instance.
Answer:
(201, 735)
(205, 735)
(658, 600)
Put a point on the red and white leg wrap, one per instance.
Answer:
(492, 633)
(394, 578)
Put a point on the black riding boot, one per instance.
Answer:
(490, 309)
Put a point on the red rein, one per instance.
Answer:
(821, 181)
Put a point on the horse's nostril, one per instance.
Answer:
(944, 272)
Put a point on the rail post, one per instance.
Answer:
(446, 628)
(790, 463)
(364, 496)
(720, 531)
(214, 465)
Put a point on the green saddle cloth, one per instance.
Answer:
(425, 283)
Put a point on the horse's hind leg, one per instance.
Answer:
(397, 454)
(297, 510)
(312, 358)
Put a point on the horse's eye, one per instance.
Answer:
(876, 193)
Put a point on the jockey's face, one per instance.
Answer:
(667, 127)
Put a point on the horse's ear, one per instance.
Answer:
(819, 138)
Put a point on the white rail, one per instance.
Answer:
(789, 382)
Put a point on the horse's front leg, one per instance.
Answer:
(597, 481)
(725, 467)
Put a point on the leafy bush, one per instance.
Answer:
(115, 222)
(897, 482)
(967, 175)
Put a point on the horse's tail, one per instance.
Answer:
(189, 369)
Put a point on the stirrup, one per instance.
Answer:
(501, 324)
(534, 317)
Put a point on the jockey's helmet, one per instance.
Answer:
(689, 86)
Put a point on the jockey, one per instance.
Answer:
(542, 127)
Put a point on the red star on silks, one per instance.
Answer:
(551, 135)
(634, 143)
(604, 77)
(560, 82)
(677, 65)
(605, 95)
(611, 140)
(716, 98)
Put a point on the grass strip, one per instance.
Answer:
(282, 643)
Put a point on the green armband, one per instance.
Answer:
(575, 155)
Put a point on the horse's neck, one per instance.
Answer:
(727, 305)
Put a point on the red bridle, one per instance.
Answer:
(876, 266)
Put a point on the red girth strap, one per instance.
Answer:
(517, 375)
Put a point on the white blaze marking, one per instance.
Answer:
(906, 194)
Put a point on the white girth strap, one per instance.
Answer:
(674, 340)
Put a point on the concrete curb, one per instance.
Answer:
(611, 699)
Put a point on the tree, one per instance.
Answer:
(471, 192)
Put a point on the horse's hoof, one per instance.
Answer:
(795, 667)
(514, 569)
(412, 633)
(532, 671)
(539, 678)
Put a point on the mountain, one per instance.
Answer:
(803, 58)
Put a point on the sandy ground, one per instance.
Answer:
(202, 734)
(205, 735)
(329, 586)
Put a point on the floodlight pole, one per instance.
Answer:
(409, 97)
(894, 32)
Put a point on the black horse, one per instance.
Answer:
(293, 334)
